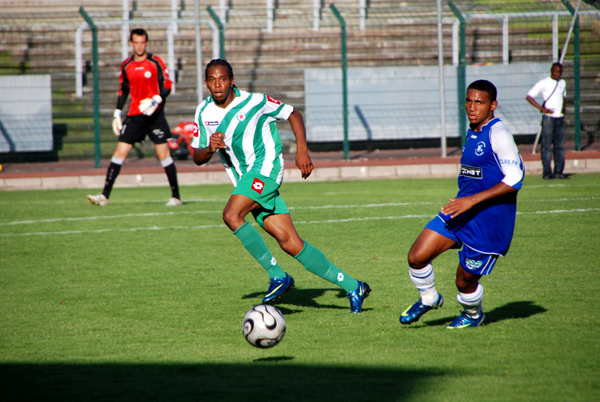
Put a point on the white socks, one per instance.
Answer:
(471, 301)
(424, 280)
(117, 161)
(167, 161)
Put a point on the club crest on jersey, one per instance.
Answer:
(480, 148)
(275, 101)
(148, 74)
(258, 185)
(241, 116)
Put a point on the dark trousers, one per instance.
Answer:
(553, 134)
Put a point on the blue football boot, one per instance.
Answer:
(277, 287)
(414, 312)
(358, 296)
(466, 321)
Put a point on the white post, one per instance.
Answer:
(171, 31)
(125, 31)
(171, 54)
(555, 37)
(223, 11)
(362, 8)
(505, 54)
(564, 51)
(316, 14)
(78, 60)
(174, 16)
(199, 77)
(441, 76)
(269, 16)
(215, 39)
(455, 45)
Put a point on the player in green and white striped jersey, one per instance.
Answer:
(240, 126)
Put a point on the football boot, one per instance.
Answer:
(466, 321)
(99, 199)
(414, 312)
(358, 296)
(277, 287)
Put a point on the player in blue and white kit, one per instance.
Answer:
(480, 219)
(240, 126)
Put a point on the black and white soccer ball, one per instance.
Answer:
(263, 326)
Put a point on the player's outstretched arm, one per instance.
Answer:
(303, 161)
(459, 205)
(203, 155)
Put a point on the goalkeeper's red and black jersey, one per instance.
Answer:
(141, 80)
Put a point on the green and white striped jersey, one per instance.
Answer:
(251, 135)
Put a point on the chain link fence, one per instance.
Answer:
(294, 51)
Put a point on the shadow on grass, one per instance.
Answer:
(266, 380)
(305, 298)
(510, 311)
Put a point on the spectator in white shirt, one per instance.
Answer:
(553, 91)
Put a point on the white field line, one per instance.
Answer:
(579, 210)
(389, 204)
(92, 218)
(197, 212)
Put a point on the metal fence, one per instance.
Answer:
(294, 51)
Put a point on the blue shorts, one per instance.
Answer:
(265, 191)
(473, 261)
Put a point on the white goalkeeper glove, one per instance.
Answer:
(117, 123)
(149, 105)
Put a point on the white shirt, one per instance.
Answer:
(545, 88)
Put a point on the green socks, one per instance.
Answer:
(316, 262)
(255, 244)
(312, 259)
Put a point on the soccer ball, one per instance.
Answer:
(263, 326)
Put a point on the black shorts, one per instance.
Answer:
(136, 128)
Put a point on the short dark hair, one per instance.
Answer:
(485, 86)
(138, 32)
(219, 62)
(556, 63)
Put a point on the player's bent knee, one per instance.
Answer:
(232, 219)
(417, 260)
(461, 284)
(292, 246)
(466, 286)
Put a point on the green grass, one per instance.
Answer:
(136, 301)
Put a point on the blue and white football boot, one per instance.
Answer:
(277, 287)
(466, 321)
(414, 312)
(358, 296)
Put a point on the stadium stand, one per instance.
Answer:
(38, 38)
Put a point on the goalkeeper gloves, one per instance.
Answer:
(117, 123)
(149, 105)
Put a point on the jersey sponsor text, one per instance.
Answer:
(471, 171)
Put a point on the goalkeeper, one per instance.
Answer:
(144, 77)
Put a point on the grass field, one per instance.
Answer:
(136, 301)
